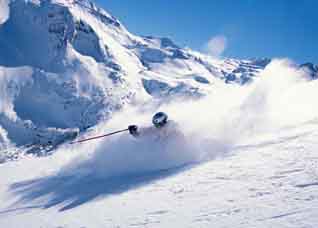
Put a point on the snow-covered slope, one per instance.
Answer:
(268, 183)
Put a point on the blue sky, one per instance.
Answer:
(250, 28)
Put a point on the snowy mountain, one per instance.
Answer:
(310, 69)
(74, 65)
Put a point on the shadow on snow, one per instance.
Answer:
(73, 191)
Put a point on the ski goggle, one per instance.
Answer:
(159, 121)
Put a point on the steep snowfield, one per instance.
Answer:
(68, 70)
(270, 183)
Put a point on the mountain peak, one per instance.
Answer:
(83, 66)
(311, 69)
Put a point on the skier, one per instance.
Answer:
(162, 128)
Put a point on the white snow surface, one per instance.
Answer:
(248, 153)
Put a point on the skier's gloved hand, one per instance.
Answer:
(133, 130)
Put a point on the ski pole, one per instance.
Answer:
(97, 137)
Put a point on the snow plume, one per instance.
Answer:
(254, 112)
(122, 155)
(281, 96)
(4, 11)
(216, 45)
(212, 126)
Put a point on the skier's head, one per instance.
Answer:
(159, 119)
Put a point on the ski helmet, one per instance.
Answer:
(159, 119)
